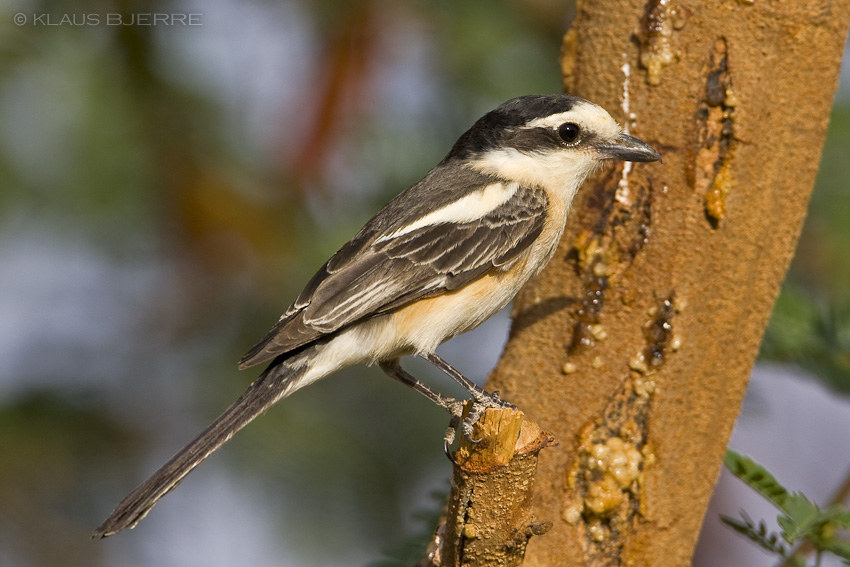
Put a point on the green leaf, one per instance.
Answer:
(803, 518)
(758, 534)
(839, 515)
(756, 477)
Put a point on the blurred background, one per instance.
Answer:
(166, 191)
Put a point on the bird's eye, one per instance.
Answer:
(568, 132)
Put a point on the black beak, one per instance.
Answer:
(627, 148)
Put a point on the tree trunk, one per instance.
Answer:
(635, 345)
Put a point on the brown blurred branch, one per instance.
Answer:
(488, 520)
(343, 77)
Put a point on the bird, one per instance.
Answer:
(438, 260)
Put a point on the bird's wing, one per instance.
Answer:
(385, 269)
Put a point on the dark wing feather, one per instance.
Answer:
(369, 276)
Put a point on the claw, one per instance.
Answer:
(449, 436)
(447, 447)
(475, 413)
(456, 410)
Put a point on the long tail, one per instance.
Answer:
(278, 381)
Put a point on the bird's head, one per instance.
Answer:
(552, 141)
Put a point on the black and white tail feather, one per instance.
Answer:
(271, 386)
(437, 261)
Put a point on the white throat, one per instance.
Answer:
(557, 171)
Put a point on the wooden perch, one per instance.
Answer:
(488, 520)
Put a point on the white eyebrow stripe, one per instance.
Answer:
(585, 114)
(554, 120)
(468, 208)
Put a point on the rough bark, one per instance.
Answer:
(635, 345)
(488, 519)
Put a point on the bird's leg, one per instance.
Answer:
(482, 400)
(478, 393)
(393, 369)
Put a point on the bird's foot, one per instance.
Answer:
(480, 403)
(497, 400)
